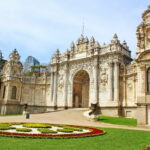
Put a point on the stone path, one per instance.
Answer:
(70, 117)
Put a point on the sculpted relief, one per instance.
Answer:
(148, 38)
(87, 66)
(103, 78)
(140, 37)
(61, 80)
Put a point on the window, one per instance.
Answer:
(14, 91)
(148, 80)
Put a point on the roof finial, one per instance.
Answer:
(83, 26)
(1, 56)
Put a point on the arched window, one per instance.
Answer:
(148, 80)
(14, 91)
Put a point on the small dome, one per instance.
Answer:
(80, 39)
(92, 40)
(57, 52)
(72, 45)
(115, 39)
(97, 44)
(125, 44)
(86, 40)
(14, 56)
(1, 56)
(146, 12)
(115, 36)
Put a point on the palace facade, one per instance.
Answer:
(86, 73)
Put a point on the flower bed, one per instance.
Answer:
(50, 131)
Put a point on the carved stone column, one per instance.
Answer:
(55, 90)
(124, 91)
(95, 74)
(8, 93)
(55, 87)
(116, 81)
(65, 86)
(110, 82)
(51, 86)
(141, 90)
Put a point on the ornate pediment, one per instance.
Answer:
(144, 56)
(13, 67)
(143, 32)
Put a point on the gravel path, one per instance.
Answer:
(70, 117)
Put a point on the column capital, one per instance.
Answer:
(142, 67)
(116, 62)
(110, 64)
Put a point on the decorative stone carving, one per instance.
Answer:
(148, 38)
(13, 67)
(61, 80)
(140, 37)
(143, 32)
(103, 78)
(129, 85)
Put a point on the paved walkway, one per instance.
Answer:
(70, 117)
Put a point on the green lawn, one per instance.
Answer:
(114, 139)
(11, 115)
(118, 120)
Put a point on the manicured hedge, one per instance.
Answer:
(37, 125)
(23, 129)
(7, 128)
(5, 124)
(47, 131)
(74, 129)
(65, 130)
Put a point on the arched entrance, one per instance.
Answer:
(81, 89)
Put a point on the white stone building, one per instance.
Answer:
(86, 73)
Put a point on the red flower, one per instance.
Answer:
(94, 132)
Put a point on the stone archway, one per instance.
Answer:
(81, 82)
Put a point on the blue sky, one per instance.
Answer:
(39, 27)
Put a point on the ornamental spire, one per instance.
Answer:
(1, 56)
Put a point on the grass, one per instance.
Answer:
(118, 120)
(114, 139)
(11, 115)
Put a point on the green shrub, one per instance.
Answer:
(72, 128)
(37, 125)
(7, 128)
(8, 124)
(65, 130)
(78, 129)
(46, 131)
(23, 129)
(5, 124)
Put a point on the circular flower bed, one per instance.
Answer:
(40, 130)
